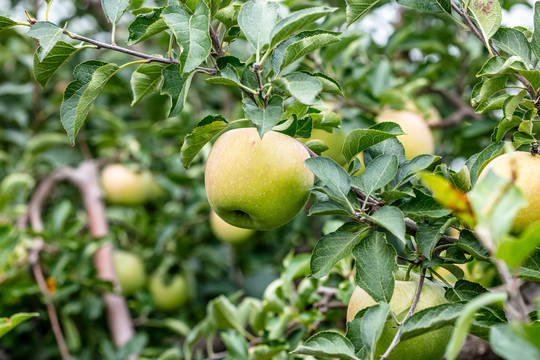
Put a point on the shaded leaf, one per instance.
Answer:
(145, 80)
(265, 119)
(57, 56)
(361, 139)
(191, 32)
(208, 127)
(90, 78)
(146, 25)
(358, 8)
(47, 34)
(329, 250)
(301, 86)
(375, 266)
(114, 9)
(372, 326)
(176, 86)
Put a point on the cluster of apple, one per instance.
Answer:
(129, 186)
(262, 184)
(169, 292)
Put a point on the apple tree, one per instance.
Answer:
(421, 234)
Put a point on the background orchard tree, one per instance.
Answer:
(152, 84)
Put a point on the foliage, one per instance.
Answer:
(204, 67)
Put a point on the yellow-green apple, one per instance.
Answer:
(257, 183)
(418, 139)
(427, 346)
(227, 232)
(168, 292)
(431, 115)
(125, 186)
(527, 172)
(130, 271)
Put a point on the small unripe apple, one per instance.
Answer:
(227, 232)
(168, 292)
(428, 346)
(129, 271)
(125, 186)
(257, 184)
(527, 167)
(418, 139)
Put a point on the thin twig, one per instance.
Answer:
(463, 110)
(114, 47)
(395, 341)
(476, 32)
(216, 43)
(257, 70)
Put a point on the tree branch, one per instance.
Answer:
(395, 341)
(463, 110)
(476, 32)
(216, 43)
(86, 179)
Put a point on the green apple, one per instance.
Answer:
(130, 271)
(125, 186)
(527, 167)
(227, 232)
(418, 139)
(168, 292)
(428, 346)
(257, 184)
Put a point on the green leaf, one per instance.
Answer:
(427, 237)
(302, 87)
(176, 86)
(423, 205)
(8, 324)
(510, 342)
(256, 20)
(530, 269)
(495, 203)
(6, 23)
(378, 173)
(535, 41)
(494, 103)
(329, 250)
(90, 78)
(191, 32)
(208, 127)
(229, 15)
(327, 344)
(372, 325)
(329, 85)
(358, 8)
(224, 314)
(427, 6)
(489, 153)
(47, 34)
(486, 89)
(57, 56)
(513, 42)
(411, 167)
(390, 218)
(430, 319)
(327, 208)
(362, 139)
(297, 21)
(488, 16)
(466, 318)
(265, 119)
(145, 80)
(298, 46)
(331, 175)
(375, 266)
(511, 103)
(498, 65)
(515, 251)
(146, 25)
(114, 9)
(469, 243)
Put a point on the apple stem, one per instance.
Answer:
(395, 341)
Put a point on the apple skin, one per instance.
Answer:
(125, 186)
(257, 184)
(130, 271)
(428, 346)
(227, 232)
(168, 295)
(528, 172)
(418, 139)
